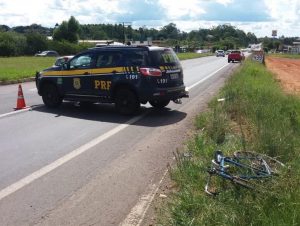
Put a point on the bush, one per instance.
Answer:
(67, 48)
(12, 44)
(35, 43)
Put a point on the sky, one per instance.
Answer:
(257, 16)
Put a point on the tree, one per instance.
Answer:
(67, 31)
(35, 42)
(170, 31)
(73, 29)
(251, 38)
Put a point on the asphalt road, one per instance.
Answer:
(76, 166)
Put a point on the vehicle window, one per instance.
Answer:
(109, 59)
(59, 62)
(135, 58)
(81, 62)
(164, 57)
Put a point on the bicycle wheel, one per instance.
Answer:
(260, 161)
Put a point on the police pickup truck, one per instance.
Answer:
(124, 75)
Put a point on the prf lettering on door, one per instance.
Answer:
(103, 85)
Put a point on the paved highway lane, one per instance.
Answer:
(90, 166)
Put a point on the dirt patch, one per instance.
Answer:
(287, 72)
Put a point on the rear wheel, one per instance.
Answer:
(260, 161)
(159, 103)
(126, 102)
(50, 95)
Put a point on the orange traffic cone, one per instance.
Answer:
(20, 101)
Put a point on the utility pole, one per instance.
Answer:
(124, 35)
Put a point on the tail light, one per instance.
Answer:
(150, 71)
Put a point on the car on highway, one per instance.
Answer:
(48, 53)
(220, 53)
(61, 60)
(235, 55)
(124, 75)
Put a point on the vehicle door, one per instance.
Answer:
(107, 70)
(76, 78)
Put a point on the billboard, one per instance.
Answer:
(274, 33)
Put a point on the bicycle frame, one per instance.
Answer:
(259, 173)
(222, 165)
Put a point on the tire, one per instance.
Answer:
(228, 61)
(159, 103)
(50, 96)
(257, 160)
(126, 102)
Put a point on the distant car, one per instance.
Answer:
(48, 53)
(202, 51)
(220, 53)
(235, 55)
(61, 60)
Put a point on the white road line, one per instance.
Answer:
(15, 112)
(207, 77)
(140, 209)
(137, 213)
(33, 90)
(52, 166)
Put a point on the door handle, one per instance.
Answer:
(86, 73)
(114, 71)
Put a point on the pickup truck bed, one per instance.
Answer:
(235, 55)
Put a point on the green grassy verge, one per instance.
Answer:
(13, 68)
(255, 116)
(186, 56)
(290, 56)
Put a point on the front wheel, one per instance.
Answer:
(50, 95)
(159, 103)
(126, 102)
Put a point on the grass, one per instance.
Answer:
(284, 55)
(13, 68)
(186, 56)
(255, 116)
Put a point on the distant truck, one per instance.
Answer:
(235, 55)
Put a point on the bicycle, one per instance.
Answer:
(242, 169)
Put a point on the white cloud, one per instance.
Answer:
(284, 10)
(178, 9)
(225, 2)
(187, 15)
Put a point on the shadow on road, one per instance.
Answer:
(107, 113)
